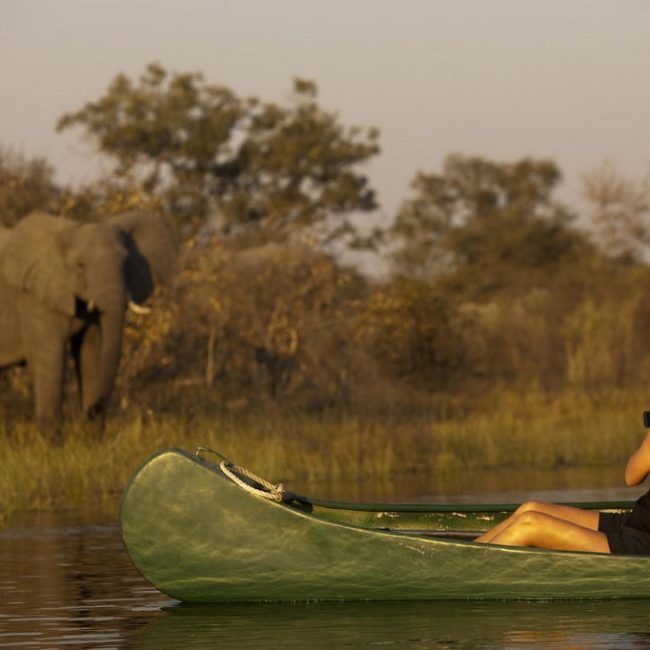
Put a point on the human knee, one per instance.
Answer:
(530, 506)
(524, 529)
(530, 519)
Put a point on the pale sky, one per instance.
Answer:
(565, 79)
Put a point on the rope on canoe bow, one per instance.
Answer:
(272, 491)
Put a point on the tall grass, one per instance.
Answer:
(532, 430)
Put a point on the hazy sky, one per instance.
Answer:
(566, 79)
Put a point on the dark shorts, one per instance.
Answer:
(623, 539)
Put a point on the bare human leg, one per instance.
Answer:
(545, 531)
(584, 518)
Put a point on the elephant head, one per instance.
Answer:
(81, 276)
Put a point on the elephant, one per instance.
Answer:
(65, 285)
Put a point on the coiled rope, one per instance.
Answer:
(270, 491)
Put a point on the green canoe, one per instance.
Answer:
(197, 536)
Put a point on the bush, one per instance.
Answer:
(26, 184)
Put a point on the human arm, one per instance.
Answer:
(638, 465)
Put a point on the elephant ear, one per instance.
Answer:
(33, 261)
(151, 251)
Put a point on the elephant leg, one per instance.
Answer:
(47, 367)
(93, 403)
(85, 348)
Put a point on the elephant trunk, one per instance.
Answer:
(111, 323)
(111, 327)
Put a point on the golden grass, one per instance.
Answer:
(531, 431)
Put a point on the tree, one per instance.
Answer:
(239, 166)
(620, 213)
(26, 184)
(485, 225)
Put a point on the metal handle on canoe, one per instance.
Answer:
(207, 450)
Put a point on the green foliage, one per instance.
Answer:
(486, 226)
(247, 166)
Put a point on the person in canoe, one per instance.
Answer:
(553, 526)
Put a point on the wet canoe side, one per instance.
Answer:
(198, 537)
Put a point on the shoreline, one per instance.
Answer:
(524, 434)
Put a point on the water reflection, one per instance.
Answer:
(400, 624)
(509, 485)
(64, 584)
(71, 585)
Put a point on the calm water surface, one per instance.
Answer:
(65, 582)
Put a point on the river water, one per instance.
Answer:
(65, 582)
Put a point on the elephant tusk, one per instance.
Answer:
(138, 309)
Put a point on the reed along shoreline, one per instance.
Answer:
(512, 430)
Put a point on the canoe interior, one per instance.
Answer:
(448, 520)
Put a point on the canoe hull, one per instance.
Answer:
(198, 537)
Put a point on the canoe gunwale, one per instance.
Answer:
(454, 507)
